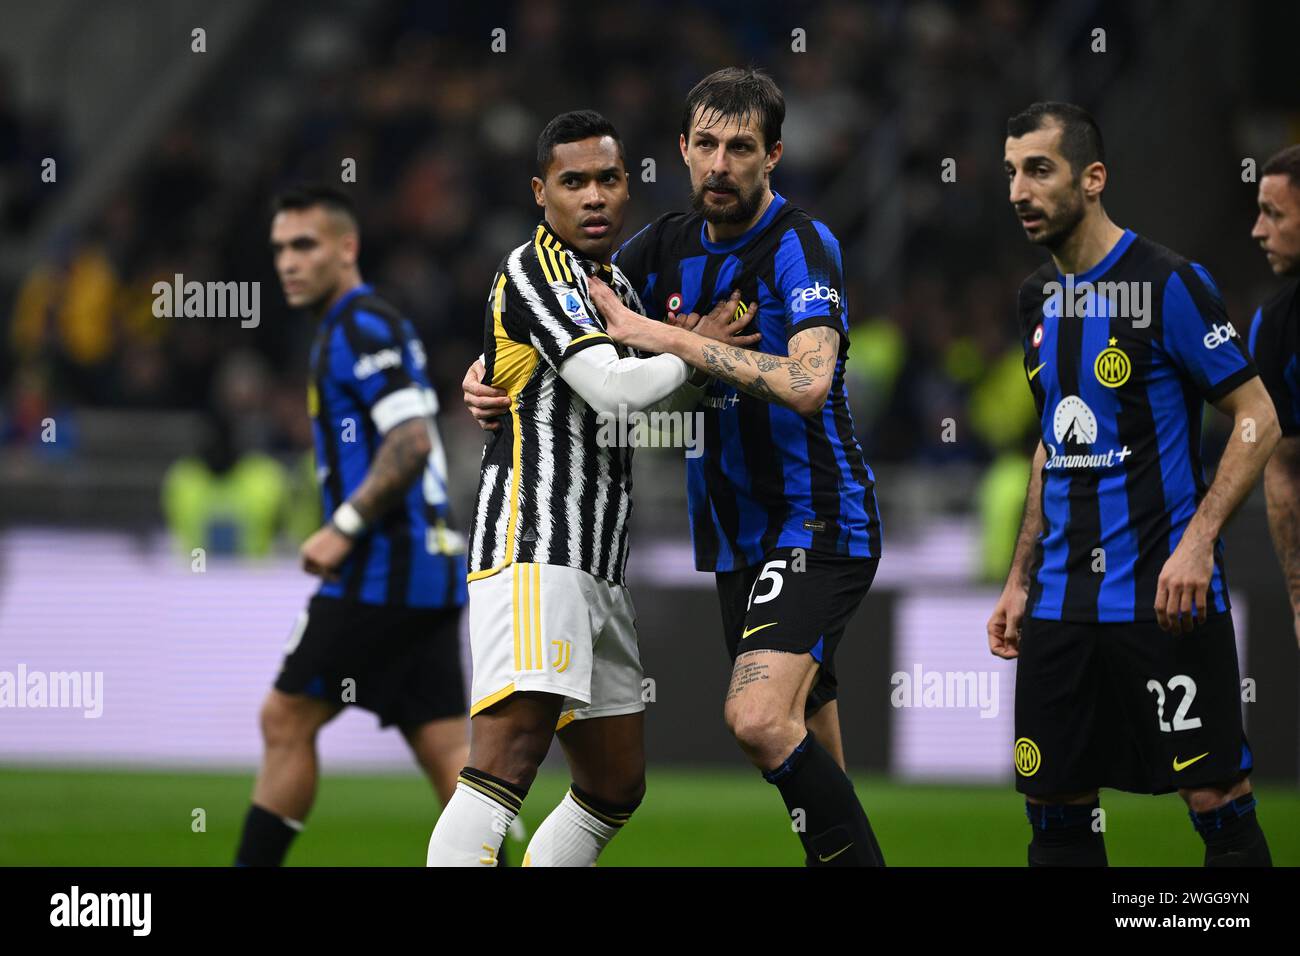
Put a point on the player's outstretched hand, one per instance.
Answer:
(726, 322)
(1004, 625)
(1184, 585)
(324, 552)
(484, 402)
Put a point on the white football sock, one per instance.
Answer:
(470, 829)
(569, 836)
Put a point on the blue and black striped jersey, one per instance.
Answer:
(1275, 347)
(367, 376)
(1120, 360)
(768, 477)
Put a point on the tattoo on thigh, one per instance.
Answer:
(746, 673)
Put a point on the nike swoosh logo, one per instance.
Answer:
(827, 859)
(751, 630)
(1035, 372)
(1183, 765)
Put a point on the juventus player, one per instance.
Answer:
(552, 627)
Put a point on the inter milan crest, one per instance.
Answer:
(1112, 367)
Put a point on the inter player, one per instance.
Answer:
(382, 632)
(1275, 345)
(552, 627)
(782, 502)
(1116, 605)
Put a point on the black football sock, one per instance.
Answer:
(1232, 835)
(1063, 835)
(266, 838)
(835, 829)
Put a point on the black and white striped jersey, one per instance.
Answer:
(548, 492)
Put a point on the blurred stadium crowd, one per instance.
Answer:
(443, 132)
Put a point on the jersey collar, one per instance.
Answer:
(731, 245)
(341, 304)
(547, 237)
(1108, 260)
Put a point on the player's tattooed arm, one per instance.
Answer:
(397, 465)
(1282, 493)
(800, 381)
(1183, 586)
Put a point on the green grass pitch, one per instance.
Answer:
(690, 818)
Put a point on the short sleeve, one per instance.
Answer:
(1198, 336)
(549, 301)
(810, 280)
(384, 368)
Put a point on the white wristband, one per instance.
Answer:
(348, 521)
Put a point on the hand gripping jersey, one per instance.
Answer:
(768, 478)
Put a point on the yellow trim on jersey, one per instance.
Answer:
(512, 369)
(583, 338)
(564, 721)
(537, 248)
(513, 363)
(560, 258)
(491, 699)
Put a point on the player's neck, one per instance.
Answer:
(604, 258)
(722, 231)
(1087, 245)
(350, 282)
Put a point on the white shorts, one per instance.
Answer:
(558, 630)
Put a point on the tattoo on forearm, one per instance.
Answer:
(398, 463)
(775, 378)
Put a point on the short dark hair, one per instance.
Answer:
(1081, 142)
(311, 195)
(1285, 162)
(572, 127)
(733, 93)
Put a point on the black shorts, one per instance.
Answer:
(403, 663)
(800, 604)
(1127, 706)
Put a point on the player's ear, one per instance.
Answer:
(773, 156)
(539, 192)
(1094, 180)
(351, 244)
(681, 144)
